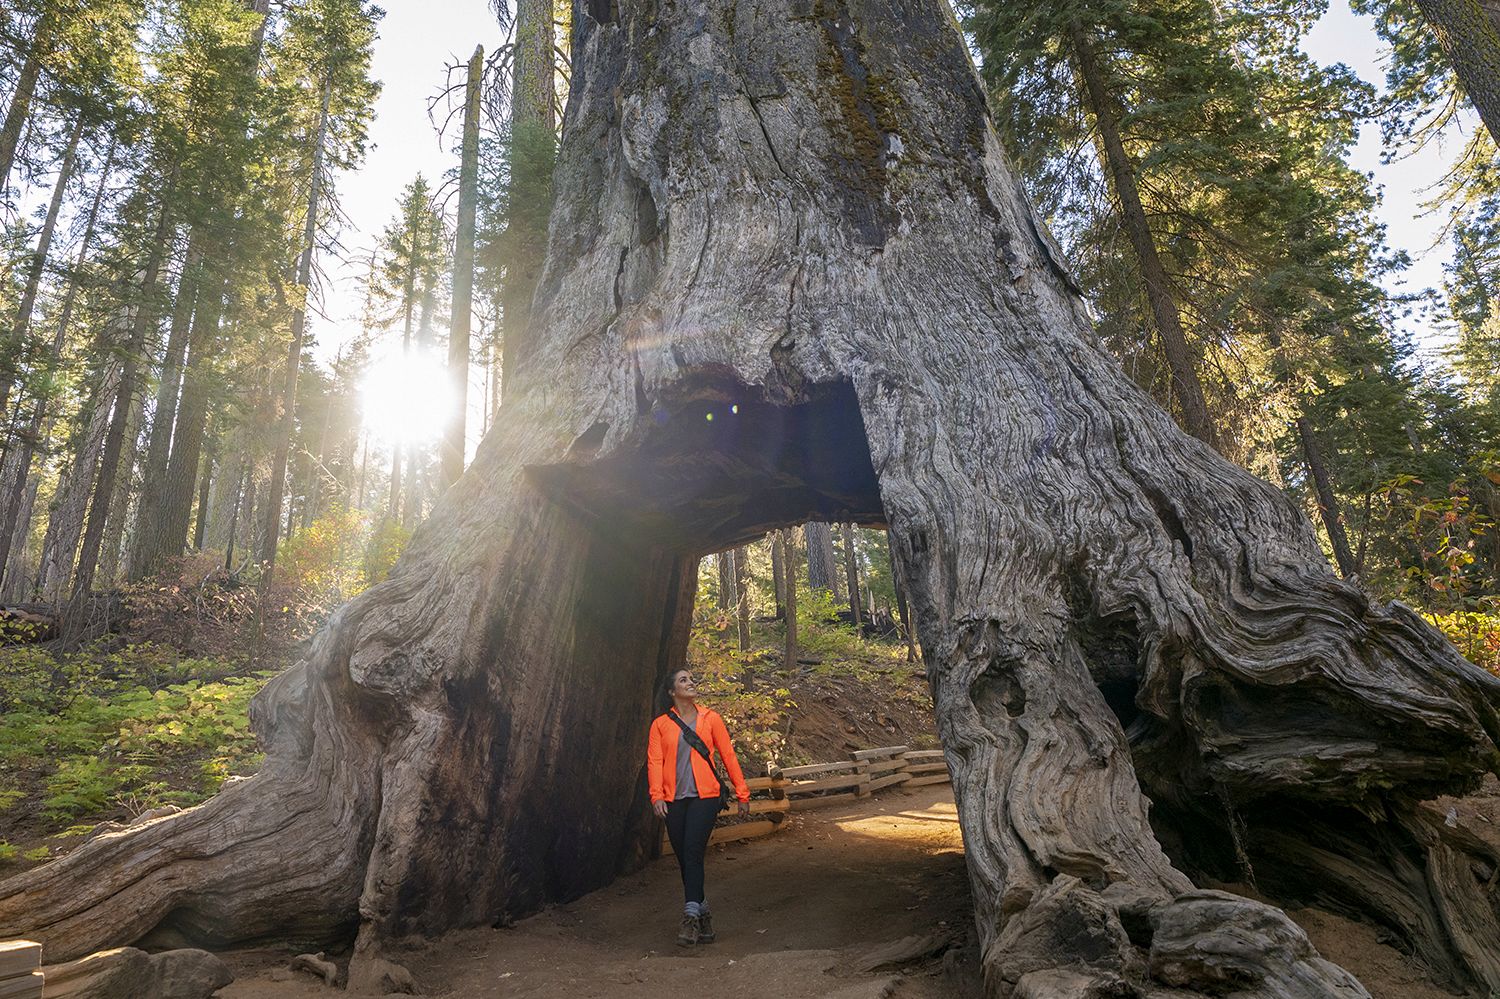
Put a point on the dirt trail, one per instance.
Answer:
(795, 914)
(800, 915)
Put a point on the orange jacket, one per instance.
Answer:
(661, 757)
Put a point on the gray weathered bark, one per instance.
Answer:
(796, 219)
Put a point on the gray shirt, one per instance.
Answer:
(687, 784)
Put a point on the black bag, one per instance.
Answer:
(725, 793)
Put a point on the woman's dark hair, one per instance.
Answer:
(664, 694)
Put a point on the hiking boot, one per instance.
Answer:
(705, 929)
(688, 934)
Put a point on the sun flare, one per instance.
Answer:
(406, 398)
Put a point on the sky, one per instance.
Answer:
(419, 37)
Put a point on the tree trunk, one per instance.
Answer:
(724, 563)
(114, 438)
(851, 572)
(13, 344)
(788, 545)
(822, 566)
(224, 497)
(533, 123)
(20, 102)
(205, 483)
(288, 399)
(65, 524)
(10, 504)
(244, 499)
(149, 546)
(123, 513)
(899, 587)
(778, 575)
(1109, 610)
(1328, 504)
(1186, 387)
(174, 510)
(742, 597)
(16, 581)
(463, 277)
(1469, 35)
(185, 343)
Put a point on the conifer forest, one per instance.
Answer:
(1113, 386)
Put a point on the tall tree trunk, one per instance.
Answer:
(1328, 504)
(65, 524)
(788, 545)
(288, 398)
(822, 566)
(1469, 35)
(778, 575)
(1175, 632)
(205, 483)
(152, 543)
(1187, 389)
(463, 277)
(742, 596)
(114, 438)
(851, 572)
(13, 344)
(244, 499)
(224, 497)
(16, 581)
(122, 514)
(11, 502)
(174, 509)
(533, 123)
(724, 564)
(148, 546)
(901, 605)
(316, 468)
(19, 110)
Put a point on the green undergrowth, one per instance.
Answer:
(1476, 634)
(846, 689)
(107, 734)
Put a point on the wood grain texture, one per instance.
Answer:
(792, 278)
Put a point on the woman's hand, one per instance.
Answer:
(744, 809)
(660, 808)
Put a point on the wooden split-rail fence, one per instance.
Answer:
(20, 969)
(820, 784)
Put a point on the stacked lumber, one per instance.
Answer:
(20, 969)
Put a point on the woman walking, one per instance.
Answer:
(685, 790)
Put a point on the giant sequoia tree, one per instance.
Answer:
(791, 278)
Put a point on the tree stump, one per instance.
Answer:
(792, 278)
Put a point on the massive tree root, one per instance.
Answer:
(791, 276)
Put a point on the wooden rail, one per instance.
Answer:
(20, 969)
(816, 785)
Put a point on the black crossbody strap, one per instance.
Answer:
(693, 738)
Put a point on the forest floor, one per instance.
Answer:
(802, 913)
(810, 911)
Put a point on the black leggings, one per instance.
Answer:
(690, 821)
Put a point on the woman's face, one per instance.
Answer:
(683, 686)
